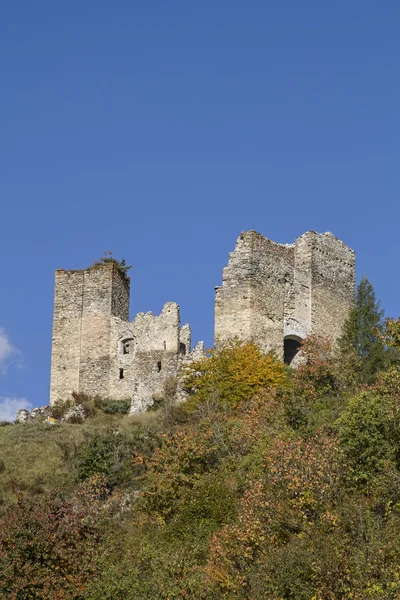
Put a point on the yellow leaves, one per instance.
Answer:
(233, 374)
(391, 333)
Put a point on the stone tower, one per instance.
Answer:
(277, 294)
(85, 303)
(98, 351)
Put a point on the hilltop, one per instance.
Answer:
(268, 482)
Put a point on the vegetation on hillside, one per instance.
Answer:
(268, 483)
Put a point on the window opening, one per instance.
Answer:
(121, 373)
(126, 346)
(165, 345)
(159, 366)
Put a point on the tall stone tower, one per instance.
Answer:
(85, 303)
(98, 351)
(277, 294)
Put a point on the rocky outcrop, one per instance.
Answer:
(35, 415)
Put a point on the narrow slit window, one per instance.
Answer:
(165, 345)
(159, 366)
(121, 373)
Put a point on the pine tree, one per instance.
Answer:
(360, 345)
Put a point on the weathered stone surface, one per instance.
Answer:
(96, 350)
(22, 415)
(36, 414)
(75, 414)
(274, 292)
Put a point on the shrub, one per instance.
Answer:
(158, 402)
(114, 407)
(104, 453)
(109, 453)
(108, 258)
(60, 408)
(369, 432)
(232, 375)
(213, 499)
(47, 548)
(87, 402)
(175, 467)
(315, 375)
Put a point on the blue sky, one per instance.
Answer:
(161, 130)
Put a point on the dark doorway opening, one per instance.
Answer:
(291, 346)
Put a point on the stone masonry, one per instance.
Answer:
(98, 351)
(278, 294)
(273, 294)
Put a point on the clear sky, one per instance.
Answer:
(161, 130)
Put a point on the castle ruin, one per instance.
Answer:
(98, 351)
(273, 294)
(278, 294)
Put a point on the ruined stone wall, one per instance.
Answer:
(298, 309)
(273, 282)
(153, 355)
(233, 300)
(256, 284)
(332, 284)
(96, 350)
(66, 341)
(271, 292)
(185, 340)
(120, 295)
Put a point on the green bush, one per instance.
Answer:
(158, 402)
(369, 433)
(105, 453)
(114, 407)
(212, 500)
(60, 408)
(109, 453)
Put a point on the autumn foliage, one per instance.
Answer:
(47, 543)
(233, 374)
(268, 483)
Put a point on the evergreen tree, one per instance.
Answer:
(360, 344)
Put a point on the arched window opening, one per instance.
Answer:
(291, 346)
(182, 348)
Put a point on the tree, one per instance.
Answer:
(233, 374)
(369, 433)
(361, 345)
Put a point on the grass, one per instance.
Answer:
(38, 457)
